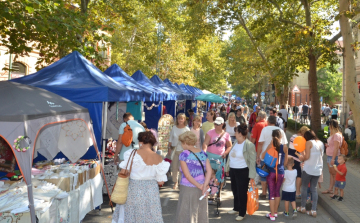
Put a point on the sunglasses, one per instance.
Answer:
(218, 124)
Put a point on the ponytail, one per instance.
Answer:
(276, 135)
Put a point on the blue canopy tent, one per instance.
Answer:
(188, 104)
(120, 76)
(176, 87)
(77, 79)
(153, 110)
(170, 105)
(198, 90)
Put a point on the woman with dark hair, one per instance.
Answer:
(332, 151)
(241, 165)
(313, 165)
(276, 176)
(217, 145)
(148, 172)
(223, 112)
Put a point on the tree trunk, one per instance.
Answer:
(279, 94)
(351, 89)
(314, 94)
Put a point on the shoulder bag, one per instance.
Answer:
(120, 190)
(222, 134)
(202, 166)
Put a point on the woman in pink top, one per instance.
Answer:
(217, 146)
(332, 152)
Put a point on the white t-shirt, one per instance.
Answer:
(284, 114)
(230, 129)
(289, 184)
(300, 108)
(236, 156)
(266, 137)
(174, 136)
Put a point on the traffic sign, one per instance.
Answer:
(262, 93)
(262, 97)
(321, 99)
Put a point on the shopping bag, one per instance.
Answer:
(252, 199)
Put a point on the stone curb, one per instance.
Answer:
(332, 209)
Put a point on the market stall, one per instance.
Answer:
(74, 77)
(32, 121)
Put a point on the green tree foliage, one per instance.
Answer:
(53, 28)
(330, 83)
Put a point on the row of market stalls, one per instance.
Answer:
(68, 110)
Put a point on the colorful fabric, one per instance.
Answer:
(194, 167)
(219, 147)
(135, 108)
(220, 175)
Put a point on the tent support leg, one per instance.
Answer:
(104, 132)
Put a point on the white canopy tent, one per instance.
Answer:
(52, 122)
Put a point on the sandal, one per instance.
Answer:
(301, 210)
(311, 213)
(327, 192)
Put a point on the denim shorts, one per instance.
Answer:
(329, 158)
(340, 184)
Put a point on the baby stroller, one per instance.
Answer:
(216, 165)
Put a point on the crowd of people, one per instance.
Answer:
(237, 139)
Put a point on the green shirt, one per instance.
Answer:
(206, 126)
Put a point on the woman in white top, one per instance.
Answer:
(148, 172)
(175, 147)
(230, 126)
(241, 165)
(313, 165)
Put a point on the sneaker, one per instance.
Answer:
(275, 215)
(232, 212)
(334, 197)
(239, 218)
(286, 214)
(294, 214)
(340, 199)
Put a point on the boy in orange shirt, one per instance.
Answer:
(340, 180)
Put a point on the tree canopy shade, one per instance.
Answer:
(210, 98)
(77, 79)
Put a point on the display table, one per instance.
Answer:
(67, 199)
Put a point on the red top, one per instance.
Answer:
(252, 119)
(256, 131)
(342, 169)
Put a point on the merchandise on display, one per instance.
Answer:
(65, 192)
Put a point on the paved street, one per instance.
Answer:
(169, 199)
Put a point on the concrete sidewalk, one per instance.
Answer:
(347, 210)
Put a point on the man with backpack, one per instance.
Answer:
(128, 136)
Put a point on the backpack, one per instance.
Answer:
(271, 159)
(127, 137)
(344, 147)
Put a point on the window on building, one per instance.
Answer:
(18, 70)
